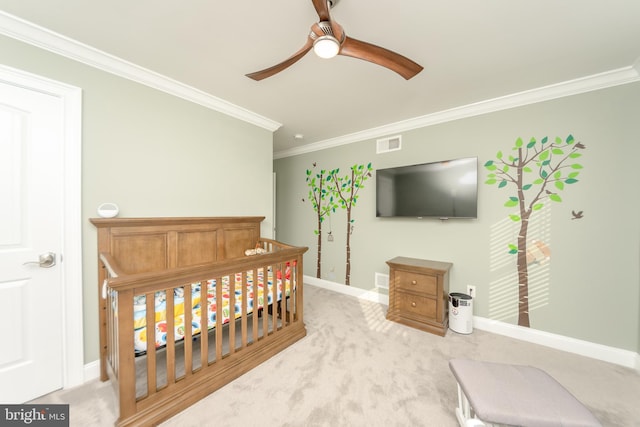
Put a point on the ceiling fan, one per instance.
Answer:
(328, 39)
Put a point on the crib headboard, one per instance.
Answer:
(141, 245)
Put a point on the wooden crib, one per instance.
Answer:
(191, 272)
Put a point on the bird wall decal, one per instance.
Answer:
(577, 215)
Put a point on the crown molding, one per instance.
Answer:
(27, 32)
(604, 80)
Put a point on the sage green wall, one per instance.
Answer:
(154, 155)
(594, 277)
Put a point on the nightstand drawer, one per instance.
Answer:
(420, 283)
(420, 308)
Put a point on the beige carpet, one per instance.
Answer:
(355, 368)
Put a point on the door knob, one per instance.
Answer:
(46, 260)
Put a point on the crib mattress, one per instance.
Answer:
(213, 308)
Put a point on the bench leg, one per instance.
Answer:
(464, 412)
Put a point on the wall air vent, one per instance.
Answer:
(381, 280)
(393, 143)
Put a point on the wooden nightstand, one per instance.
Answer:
(418, 293)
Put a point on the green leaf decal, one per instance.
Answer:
(513, 249)
(518, 142)
(576, 166)
(570, 181)
(514, 218)
(503, 183)
(555, 197)
(512, 202)
(560, 185)
(538, 206)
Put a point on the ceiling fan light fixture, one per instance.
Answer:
(326, 47)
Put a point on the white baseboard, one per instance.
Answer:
(92, 371)
(605, 353)
(348, 290)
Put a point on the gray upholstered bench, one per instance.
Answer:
(497, 393)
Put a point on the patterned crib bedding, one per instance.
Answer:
(213, 308)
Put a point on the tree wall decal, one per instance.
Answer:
(323, 204)
(346, 189)
(538, 170)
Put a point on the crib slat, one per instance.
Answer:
(284, 300)
(111, 332)
(151, 342)
(291, 292)
(204, 323)
(255, 310)
(244, 309)
(170, 350)
(274, 298)
(233, 285)
(218, 318)
(265, 306)
(188, 332)
(294, 287)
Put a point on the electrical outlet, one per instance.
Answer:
(471, 291)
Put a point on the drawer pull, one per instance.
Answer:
(413, 304)
(414, 282)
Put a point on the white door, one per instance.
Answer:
(31, 242)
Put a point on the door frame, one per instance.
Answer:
(71, 257)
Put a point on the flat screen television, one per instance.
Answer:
(445, 189)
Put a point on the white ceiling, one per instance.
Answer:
(471, 50)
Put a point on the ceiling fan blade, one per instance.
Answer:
(322, 8)
(381, 56)
(268, 72)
